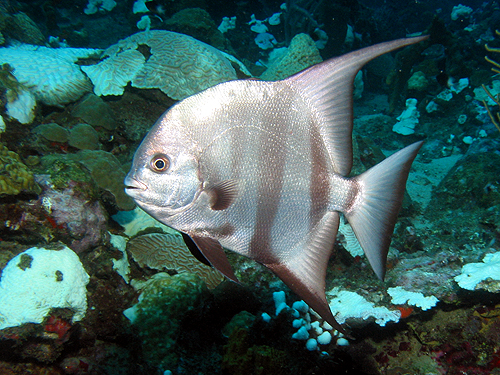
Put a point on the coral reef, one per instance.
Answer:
(108, 174)
(83, 137)
(471, 182)
(64, 152)
(10, 83)
(401, 73)
(240, 359)
(105, 171)
(94, 111)
(52, 132)
(168, 251)
(79, 218)
(199, 24)
(21, 27)
(163, 303)
(15, 25)
(15, 176)
(176, 64)
(301, 54)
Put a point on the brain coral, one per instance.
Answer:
(168, 251)
(177, 64)
(301, 54)
(49, 73)
(14, 175)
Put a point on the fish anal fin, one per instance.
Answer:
(212, 250)
(305, 274)
(223, 194)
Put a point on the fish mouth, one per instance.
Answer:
(133, 186)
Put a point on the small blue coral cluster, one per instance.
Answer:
(310, 327)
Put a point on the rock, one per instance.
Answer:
(52, 132)
(83, 137)
(94, 111)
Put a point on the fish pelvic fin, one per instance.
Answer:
(373, 214)
(304, 272)
(328, 87)
(212, 250)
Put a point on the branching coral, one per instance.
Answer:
(496, 99)
(497, 50)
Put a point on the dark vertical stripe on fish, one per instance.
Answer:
(272, 159)
(319, 183)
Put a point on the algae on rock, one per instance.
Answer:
(14, 174)
(158, 315)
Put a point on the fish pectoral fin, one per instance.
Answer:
(223, 194)
(304, 272)
(213, 252)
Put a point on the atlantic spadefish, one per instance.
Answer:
(260, 168)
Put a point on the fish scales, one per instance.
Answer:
(260, 168)
(266, 155)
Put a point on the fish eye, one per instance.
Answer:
(160, 163)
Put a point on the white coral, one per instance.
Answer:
(39, 280)
(112, 75)
(349, 305)
(350, 242)
(21, 107)
(50, 74)
(473, 273)
(95, 6)
(401, 296)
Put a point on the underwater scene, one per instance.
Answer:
(265, 187)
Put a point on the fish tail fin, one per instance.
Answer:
(379, 200)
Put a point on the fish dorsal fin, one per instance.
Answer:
(223, 194)
(328, 87)
(304, 271)
(212, 250)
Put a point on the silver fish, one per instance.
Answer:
(260, 168)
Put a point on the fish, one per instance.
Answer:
(261, 168)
